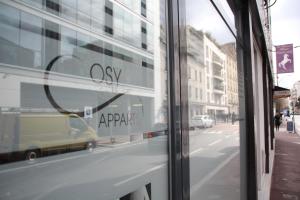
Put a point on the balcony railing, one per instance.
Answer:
(219, 87)
(217, 73)
(217, 65)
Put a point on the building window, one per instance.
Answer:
(208, 83)
(108, 11)
(200, 77)
(201, 94)
(207, 67)
(144, 46)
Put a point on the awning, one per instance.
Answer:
(280, 92)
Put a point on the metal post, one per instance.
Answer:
(294, 117)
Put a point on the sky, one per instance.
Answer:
(208, 20)
(285, 23)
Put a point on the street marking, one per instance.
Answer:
(38, 163)
(215, 142)
(141, 174)
(43, 164)
(281, 154)
(197, 186)
(290, 196)
(50, 190)
(211, 132)
(296, 142)
(196, 151)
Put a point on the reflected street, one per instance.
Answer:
(215, 152)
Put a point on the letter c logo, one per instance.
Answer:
(56, 105)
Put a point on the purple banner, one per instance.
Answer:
(284, 58)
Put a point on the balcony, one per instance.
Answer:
(219, 87)
(217, 72)
(217, 65)
(216, 58)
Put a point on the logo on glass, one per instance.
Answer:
(98, 74)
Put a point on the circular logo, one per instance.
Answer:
(56, 105)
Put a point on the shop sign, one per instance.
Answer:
(284, 58)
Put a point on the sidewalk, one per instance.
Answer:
(286, 172)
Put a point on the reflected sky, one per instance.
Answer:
(197, 16)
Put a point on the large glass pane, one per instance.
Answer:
(9, 35)
(83, 107)
(120, 19)
(213, 104)
(31, 39)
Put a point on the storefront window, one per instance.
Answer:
(84, 107)
(213, 118)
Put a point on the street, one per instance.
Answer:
(94, 174)
(214, 169)
(214, 162)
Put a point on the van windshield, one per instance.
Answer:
(77, 123)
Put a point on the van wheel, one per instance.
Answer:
(90, 146)
(31, 155)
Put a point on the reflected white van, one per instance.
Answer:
(41, 134)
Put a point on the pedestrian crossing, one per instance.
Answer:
(216, 132)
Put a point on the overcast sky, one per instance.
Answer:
(285, 18)
(208, 20)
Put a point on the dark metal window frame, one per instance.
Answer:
(247, 139)
(179, 184)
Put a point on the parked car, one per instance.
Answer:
(207, 121)
(196, 122)
(201, 121)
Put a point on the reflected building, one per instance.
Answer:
(215, 61)
(207, 75)
(104, 48)
(295, 96)
(196, 72)
(232, 77)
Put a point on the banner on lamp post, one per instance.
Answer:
(285, 58)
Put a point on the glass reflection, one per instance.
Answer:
(83, 103)
(213, 105)
(75, 58)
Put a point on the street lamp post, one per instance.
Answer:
(293, 108)
(294, 117)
